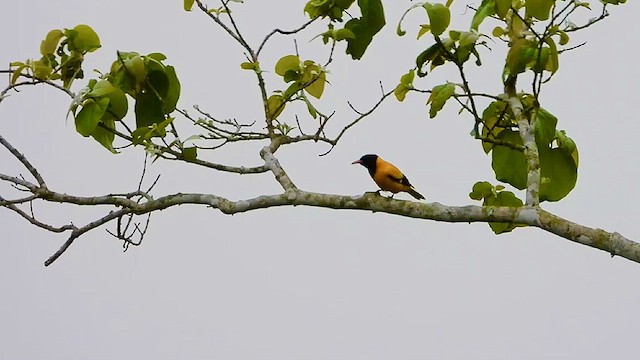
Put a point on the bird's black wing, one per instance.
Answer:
(403, 180)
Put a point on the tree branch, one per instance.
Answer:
(18, 155)
(283, 32)
(274, 165)
(528, 139)
(613, 243)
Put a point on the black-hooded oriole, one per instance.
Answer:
(387, 176)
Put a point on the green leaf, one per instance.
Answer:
(148, 109)
(42, 69)
(104, 136)
(508, 164)
(312, 110)
(49, 45)
(558, 174)
(502, 7)
(140, 135)
(481, 190)
(406, 84)
(541, 60)
(291, 90)
(316, 88)
(18, 71)
(468, 38)
(275, 106)
(135, 66)
(434, 55)
(88, 118)
(494, 196)
(424, 28)
(539, 9)
(83, 39)
(288, 63)
(144, 134)
(173, 92)
(545, 128)
(188, 4)
(564, 37)
(520, 55)
(71, 69)
(487, 8)
(439, 96)
(494, 119)
(118, 105)
(614, 2)
(323, 8)
(100, 88)
(190, 153)
(343, 34)
(250, 66)
(503, 198)
(552, 64)
(567, 145)
(365, 27)
(159, 57)
(439, 17)
(158, 82)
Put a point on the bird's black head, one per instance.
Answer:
(368, 161)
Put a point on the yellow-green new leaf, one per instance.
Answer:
(105, 136)
(190, 153)
(136, 67)
(188, 4)
(287, 63)
(249, 65)
(503, 198)
(553, 62)
(439, 17)
(84, 39)
(487, 8)
(18, 71)
(406, 84)
(50, 43)
(275, 106)
(521, 53)
(502, 7)
(316, 88)
(424, 28)
(539, 9)
(439, 96)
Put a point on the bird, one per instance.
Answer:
(387, 176)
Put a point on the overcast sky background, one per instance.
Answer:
(305, 283)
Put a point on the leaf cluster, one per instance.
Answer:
(62, 56)
(357, 32)
(152, 85)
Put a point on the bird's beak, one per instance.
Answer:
(357, 162)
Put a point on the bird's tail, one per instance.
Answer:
(415, 194)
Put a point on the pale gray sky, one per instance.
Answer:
(302, 283)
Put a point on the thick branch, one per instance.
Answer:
(613, 243)
(528, 138)
(273, 164)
